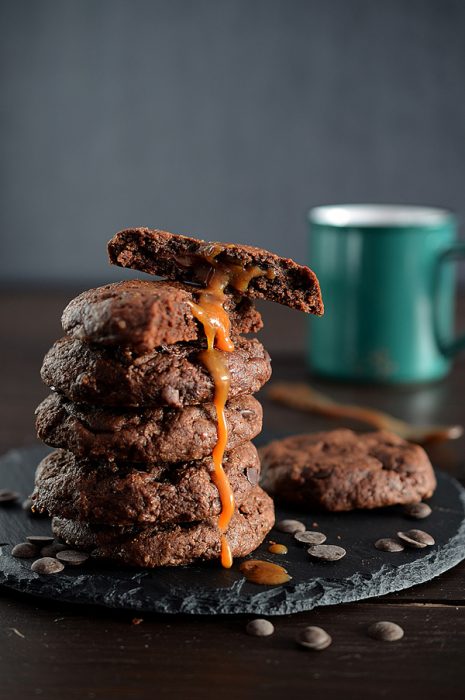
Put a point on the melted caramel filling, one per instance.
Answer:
(210, 312)
(264, 572)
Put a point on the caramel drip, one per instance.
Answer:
(210, 312)
(264, 572)
(276, 548)
(215, 320)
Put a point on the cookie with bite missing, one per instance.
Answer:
(341, 470)
(253, 272)
(144, 314)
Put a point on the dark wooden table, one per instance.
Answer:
(58, 651)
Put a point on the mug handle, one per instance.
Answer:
(448, 348)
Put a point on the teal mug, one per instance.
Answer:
(389, 292)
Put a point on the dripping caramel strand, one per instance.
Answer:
(215, 320)
(210, 312)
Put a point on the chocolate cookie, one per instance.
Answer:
(144, 315)
(171, 375)
(123, 494)
(174, 545)
(162, 434)
(342, 470)
(252, 271)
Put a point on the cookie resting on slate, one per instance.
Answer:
(175, 545)
(341, 470)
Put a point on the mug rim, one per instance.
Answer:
(379, 216)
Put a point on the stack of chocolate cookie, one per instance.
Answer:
(132, 414)
(131, 408)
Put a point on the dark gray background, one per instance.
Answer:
(222, 118)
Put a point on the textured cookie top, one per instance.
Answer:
(189, 259)
(145, 314)
(341, 470)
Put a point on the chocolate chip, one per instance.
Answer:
(259, 628)
(8, 497)
(72, 557)
(418, 539)
(309, 537)
(385, 631)
(418, 511)
(314, 638)
(327, 552)
(47, 565)
(253, 475)
(322, 474)
(290, 526)
(388, 544)
(51, 550)
(40, 540)
(25, 550)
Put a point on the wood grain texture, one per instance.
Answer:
(76, 652)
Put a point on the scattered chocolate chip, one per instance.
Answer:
(326, 552)
(418, 511)
(51, 550)
(385, 631)
(72, 557)
(25, 550)
(40, 540)
(259, 628)
(253, 475)
(418, 539)
(314, 638)
(8, 497)
(290, 526)
(388, 544)
(47, 565)
(309, 537)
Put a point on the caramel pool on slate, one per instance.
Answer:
(210, 312)
(264, 572)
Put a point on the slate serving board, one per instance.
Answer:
(207, 589)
